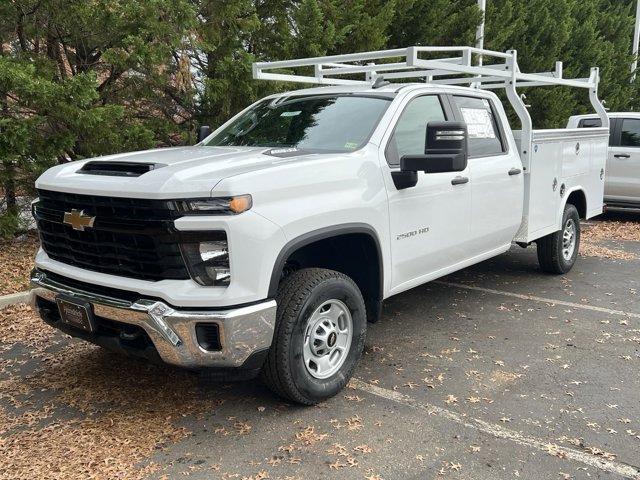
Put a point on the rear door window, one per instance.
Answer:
(485, 134)
(630, 132)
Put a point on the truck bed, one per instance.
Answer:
(562, 161)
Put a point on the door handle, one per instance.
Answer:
(515, 171)
(460, 181)
(622, 155)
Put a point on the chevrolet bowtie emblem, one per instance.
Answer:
(78, 220)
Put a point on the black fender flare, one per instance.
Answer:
(322, 234)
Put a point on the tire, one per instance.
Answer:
(554, 255)
(306, 297)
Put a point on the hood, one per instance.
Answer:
(177, 173)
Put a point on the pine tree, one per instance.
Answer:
(224, 30)
(435, 22)
(582, 34)
(80, 78)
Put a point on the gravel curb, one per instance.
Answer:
(14, 299)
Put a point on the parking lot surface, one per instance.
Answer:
(495, 372)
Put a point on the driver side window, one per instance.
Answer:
(409, 134)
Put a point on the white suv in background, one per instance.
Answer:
(622, 182)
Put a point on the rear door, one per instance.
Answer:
(429, 223)
(623, 166)
(497, 186)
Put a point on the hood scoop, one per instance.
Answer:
(119, 169)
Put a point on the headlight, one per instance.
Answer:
(215, 206)
(208, 262)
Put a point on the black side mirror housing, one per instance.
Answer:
(203, 132)
(445, 150)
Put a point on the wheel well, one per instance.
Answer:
(357, 255)
(578, 200)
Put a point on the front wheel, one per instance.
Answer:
(319, 336)
(558, 251)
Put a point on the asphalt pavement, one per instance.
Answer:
(498, 371)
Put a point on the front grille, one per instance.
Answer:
(130, 237)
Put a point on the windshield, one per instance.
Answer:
(337, 123)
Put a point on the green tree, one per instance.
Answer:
(582, 34)
(219, 50)
(80, 78)
(435, 22)
(230, 35)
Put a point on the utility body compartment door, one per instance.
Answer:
(430, 222)
(542, 196)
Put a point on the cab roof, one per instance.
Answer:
(389, 90)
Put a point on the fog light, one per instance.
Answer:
(208, 337)
(208, 262)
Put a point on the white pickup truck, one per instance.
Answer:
(268, 246)
(622, 181)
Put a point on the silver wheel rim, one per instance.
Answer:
(327, 339)
(569, 239)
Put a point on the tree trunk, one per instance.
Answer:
(9, 186)
(9, 171)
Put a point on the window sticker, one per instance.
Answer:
(478, 122)
(351, 145)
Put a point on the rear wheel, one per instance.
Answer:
(557, 252)
(319, 336)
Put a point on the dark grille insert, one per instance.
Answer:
(130, 237)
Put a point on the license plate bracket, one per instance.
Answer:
(76, 313)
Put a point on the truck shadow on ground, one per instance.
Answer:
(620, 216)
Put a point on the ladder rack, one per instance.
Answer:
(410, 65)
(500, 71)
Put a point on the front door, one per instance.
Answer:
(623, 165)
(429, 223)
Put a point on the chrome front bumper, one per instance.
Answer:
(242, 331)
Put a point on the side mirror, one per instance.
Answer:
(445, 150)
(203, 132)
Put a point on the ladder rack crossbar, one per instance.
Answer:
(383, 67)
